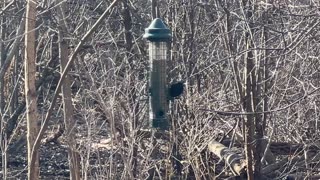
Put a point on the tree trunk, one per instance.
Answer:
(134, 106)
(252, 102)
(248, 104)
(30, 91)
(3, 137)
(69, 121)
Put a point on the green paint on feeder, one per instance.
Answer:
(157, 31)
(162, 124)
(158, 35)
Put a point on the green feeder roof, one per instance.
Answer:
(157, 31)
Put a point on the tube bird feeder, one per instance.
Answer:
(158, 36)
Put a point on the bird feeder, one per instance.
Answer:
(158, 36)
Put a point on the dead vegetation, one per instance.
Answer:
(249, 110)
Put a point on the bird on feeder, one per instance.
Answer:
(175, 90)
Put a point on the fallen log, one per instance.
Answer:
(232, 159)
(285, 148)
(282, 148)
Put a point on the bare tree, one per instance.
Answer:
(2, 98)
(30, 90)
(69, 120)
(251, 73)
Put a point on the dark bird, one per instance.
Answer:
(176, 89)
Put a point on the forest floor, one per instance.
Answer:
(54, 157)
(53, 163)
